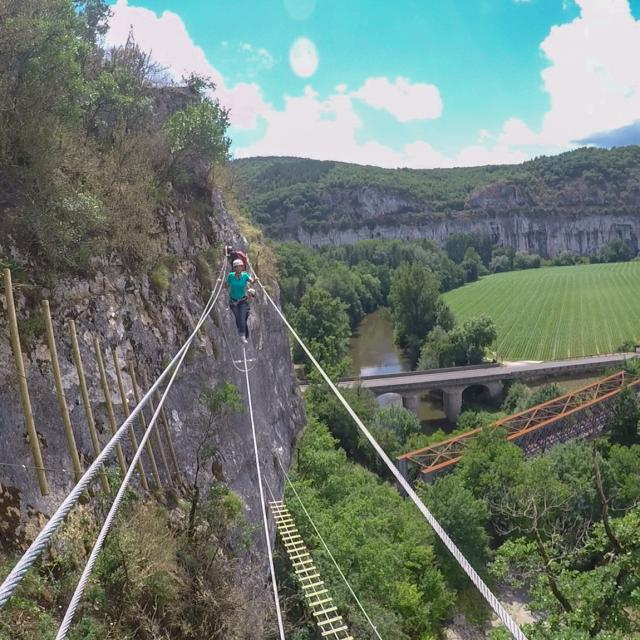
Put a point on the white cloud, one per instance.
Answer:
(171, 46)
(328, 129)
(516, 132)
(405, 100)
(342, 87)
(477, 155)
(593, 83)
(303, 57)
(593, 80)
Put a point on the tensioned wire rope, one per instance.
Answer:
(495, 604)
(65, 625)
(265, 522)
(326, 548)
(11, 582)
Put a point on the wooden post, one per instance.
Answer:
(156, 432)
(143, 422)
(34, 443)
(62, 401)
(107, 398)
(127, 413)
(88, 412)
(167, 434)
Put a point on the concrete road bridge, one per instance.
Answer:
(455, 381)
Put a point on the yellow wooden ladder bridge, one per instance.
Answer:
(318, 598)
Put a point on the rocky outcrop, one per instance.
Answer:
(575, 202)
(125, 311)
(545, 234)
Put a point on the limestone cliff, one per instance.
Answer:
(575, 202)
(125, 311)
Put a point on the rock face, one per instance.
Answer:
(126, 312)
(545, 234)
(576, 201)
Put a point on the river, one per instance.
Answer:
(373, 352)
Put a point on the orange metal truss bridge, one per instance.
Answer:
(524, 426)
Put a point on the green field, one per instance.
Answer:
(556, 312)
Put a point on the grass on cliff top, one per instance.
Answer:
(556, 312)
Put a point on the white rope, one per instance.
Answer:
(16, 575)
(86, 573)
(326, 548)
(274, 584)
(495, 604)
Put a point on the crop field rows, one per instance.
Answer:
(556, 312)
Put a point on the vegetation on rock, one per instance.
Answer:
(286, 193)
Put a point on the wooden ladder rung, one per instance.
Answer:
(324, 634)
(330, 621)
(312, 585)
(299, 564)
(325, 611)
(311, 577)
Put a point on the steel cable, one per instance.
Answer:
(326, 548)
(488, 595)
(262, 502)
(11, 582)
(86, 573)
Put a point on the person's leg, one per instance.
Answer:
(241, 318)
(235, 308)
(246, 320)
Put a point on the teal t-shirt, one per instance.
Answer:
(238, 286)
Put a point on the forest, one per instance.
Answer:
(318, 195)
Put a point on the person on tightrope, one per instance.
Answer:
(239, 294)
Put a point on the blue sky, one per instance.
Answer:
(409, 82)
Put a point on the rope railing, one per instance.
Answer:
(326, 548)
(487, 594)
(88, 569)
(11, 582)
(265, 522)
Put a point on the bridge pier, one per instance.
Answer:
(411, 402)
(452, 402)
(495, 389)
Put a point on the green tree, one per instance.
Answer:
(399, 420)
(490, 464)
(543, 394)
(626, 414)
(323, 324)
(517, 398)
(377, 534)
(344, 284)
(200, 130)
(437, 350)
(414, 298)
(323, 405)
(465, 518)
(470, 341)
(471, 264)
(94, 15)
(616, 250)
